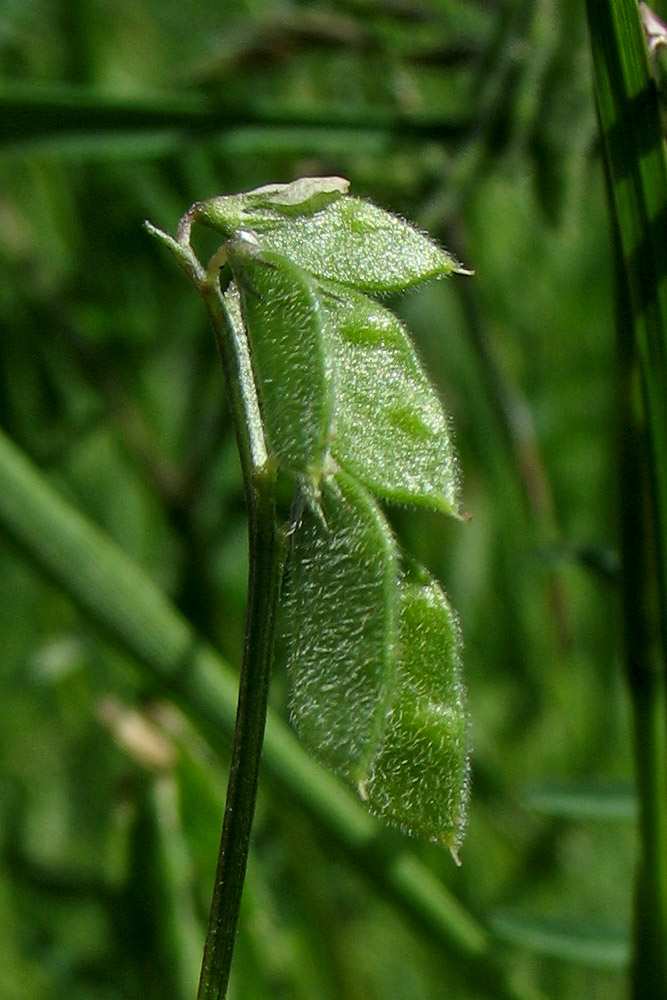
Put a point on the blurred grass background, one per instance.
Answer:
(476, 120)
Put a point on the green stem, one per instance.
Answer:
(644, 664)
(267, 547)
(637, 167)
(637, 183)
(266, 561)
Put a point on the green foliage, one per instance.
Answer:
(345, 239)
(361, 245)
(342, 398)
(340, 622)
(390, 430)
(419, 775)
(290, 356)
(333, 366)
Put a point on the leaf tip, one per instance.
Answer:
(453, 850)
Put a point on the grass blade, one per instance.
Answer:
(636, 172)
(580, 943)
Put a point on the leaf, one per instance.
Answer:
(339, 621)
(301, 197)
(290, 356)
(337, 238)
(390, 430)
(268, 206)
(419, 777)
(354, 242)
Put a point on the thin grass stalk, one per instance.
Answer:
(636, 171)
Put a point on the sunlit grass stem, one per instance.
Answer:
(636, 171)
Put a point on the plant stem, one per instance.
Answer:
(266, 560)
(266, 552)
(644, 664)
(636, 170)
